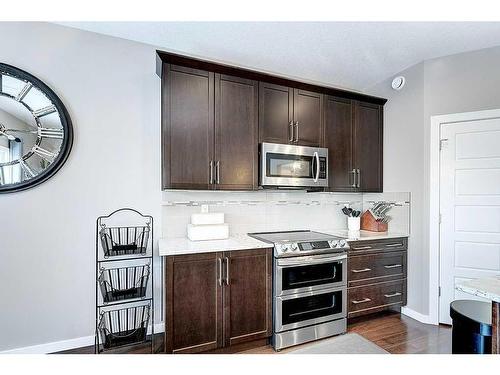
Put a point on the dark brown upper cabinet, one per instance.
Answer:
(236, 142)
(354, 138)
(209, 137)
(368, 146)
(339, 137)
(288, 115)
(187, 127)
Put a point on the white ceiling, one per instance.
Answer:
(355, 55)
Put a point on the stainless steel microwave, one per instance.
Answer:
(290, 166)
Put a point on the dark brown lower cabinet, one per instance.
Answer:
(217, 300)
(377, 272)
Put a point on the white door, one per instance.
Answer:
(469, 206)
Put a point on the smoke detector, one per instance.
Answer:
(398, 83)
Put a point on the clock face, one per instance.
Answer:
(35, 131)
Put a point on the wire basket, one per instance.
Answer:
(123, 283)
(124, 240)
(124, 326)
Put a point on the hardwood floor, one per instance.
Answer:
(393, 332)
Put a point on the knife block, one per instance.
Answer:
(370, 223)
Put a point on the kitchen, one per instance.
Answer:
(256, 135)
(274, 212)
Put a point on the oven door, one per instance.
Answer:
(293, 166)
(305, 309)
(308, 273)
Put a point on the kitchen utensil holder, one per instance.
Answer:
(353, 223)
(370, 223)
(124, 267)
(124, 326)
(118, 241)
(123, 283)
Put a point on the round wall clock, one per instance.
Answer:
(36, 133)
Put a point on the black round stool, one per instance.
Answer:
(471, 332)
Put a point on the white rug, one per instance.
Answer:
(349, 343)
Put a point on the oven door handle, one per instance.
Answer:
(316, 174)
(288, 262)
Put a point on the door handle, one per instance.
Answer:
(364, 300)
(363, 270)
(296, 131)
(211, 180)
(217, 171)
(226, 259)
(359, 178)
(316, 175)
(353, 178)
(393, 266)
(290, 130)
(219, 279)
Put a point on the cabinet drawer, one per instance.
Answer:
(392, 244)
(366, 299)
(371, 268)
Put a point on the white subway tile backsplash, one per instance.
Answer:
(269, 210)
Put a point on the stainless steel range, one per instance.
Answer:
(310, 286)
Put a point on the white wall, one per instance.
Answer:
(404, 167)
(47, 234)
(458, 83)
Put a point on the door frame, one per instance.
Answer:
(434, 202)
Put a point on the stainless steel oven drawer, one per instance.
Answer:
(305, 309)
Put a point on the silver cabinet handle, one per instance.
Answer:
(316, 175)
(394, 245)
(217, 171)
(393, 266)
(361, 248)
(364, 300)
(353, 178)
(359, 178)
(363, 270)
(219, 279)
(211, 181)
(290, 129)
(296, 131)
(392, 295)
(226, 259)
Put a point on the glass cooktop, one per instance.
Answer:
(292, 236)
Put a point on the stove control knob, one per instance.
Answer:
(293, 246)
(342, 243)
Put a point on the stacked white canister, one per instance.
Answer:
(207, 226)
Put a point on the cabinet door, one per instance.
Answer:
(236, 142)
(307, 109)
(193, 303)
(339, 141)
(275, 113)
(188, 127)
(368, 147)
(247, 295)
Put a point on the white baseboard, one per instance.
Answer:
(416, 315)
(57, 346)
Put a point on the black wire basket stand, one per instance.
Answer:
(124, 281)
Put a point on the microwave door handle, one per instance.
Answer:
(316, 174)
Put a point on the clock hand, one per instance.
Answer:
(8, 136)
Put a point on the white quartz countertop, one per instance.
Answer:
(364, 235)
(488, 287)
(182, 245)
